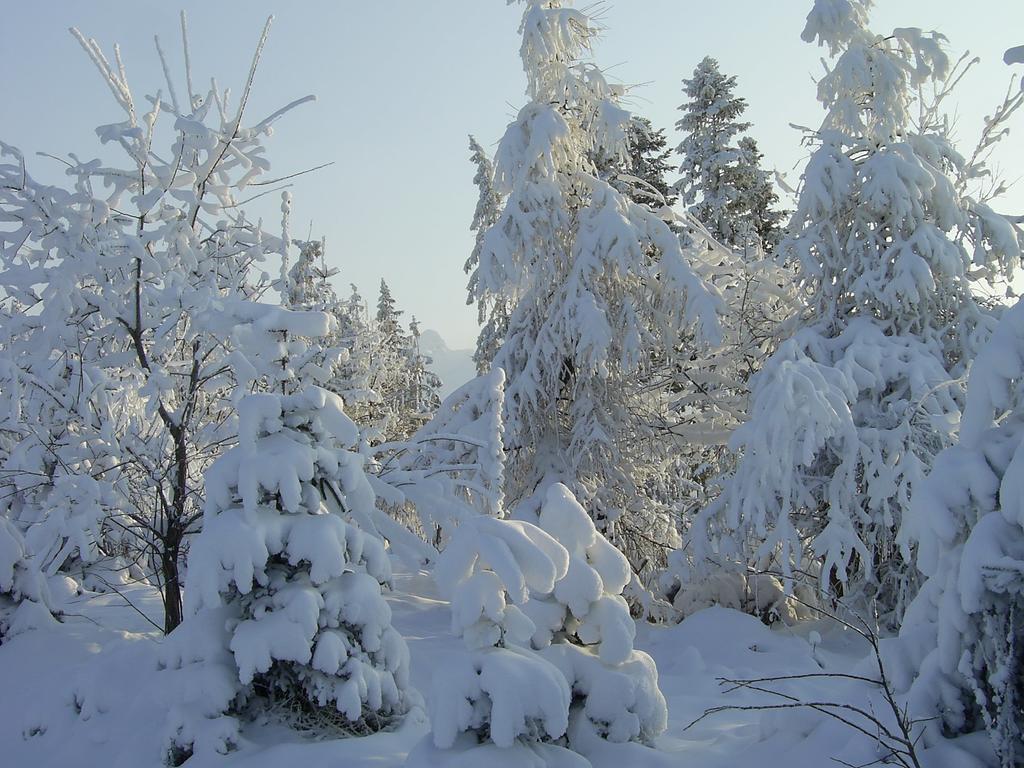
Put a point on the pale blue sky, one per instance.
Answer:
(400, 83)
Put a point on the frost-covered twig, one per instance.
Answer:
(898, 739)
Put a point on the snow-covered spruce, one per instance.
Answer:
(492, 311)
(501, 691)
(298, 584)
(351, 344)
(422, 384)
(848, 415)
(599, 286)
(309, 289)
(722, 182)
(643, 177)
(549, 637)
(24, 597)
(963, 631)
(359, 337)
(403, 391)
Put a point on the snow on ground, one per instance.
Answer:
(88, 693)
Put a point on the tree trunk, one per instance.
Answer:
(172, 539)
(171, 550)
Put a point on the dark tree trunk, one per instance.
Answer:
(169, 555)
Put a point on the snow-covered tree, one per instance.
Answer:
(598, 286)
(358, 336)
(849, 413)
(308, 280)
(640, 174)
(404, 387)
(387, 317)
(132, 268)
(348, 347)
(962, 632)
(583, 626)
(549, 638)
(722, 182)
(296, 584)
(453, 467)
(701, 396)
(492, 313)
(764, 219)
(423, 384)
(649, 163)
(54, 462)
(488, 571)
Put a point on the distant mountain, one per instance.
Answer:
(454, 366)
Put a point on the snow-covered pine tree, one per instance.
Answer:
(389, 411)
(600, 286)
(405, 389)
(641, 175)
(132, 267)
(850, 412)
(500, 691)
(293, 586)
(360, 338)
(722, 182)
(423, 384)
(387, 317)
(584, 627)
(962, 632)
(348, 344)
(649, 155)
(492, 311)
(308, 279)
(759, 198)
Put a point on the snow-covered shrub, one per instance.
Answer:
(549, 636)
(585, 629)
(24, 597)
(964, 630)
(500, 690)
(848, 415)
(298, 584)
(59, 424)
(731, 585)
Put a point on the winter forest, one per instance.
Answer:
(735, 477)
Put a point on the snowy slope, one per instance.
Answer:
(454, 366)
